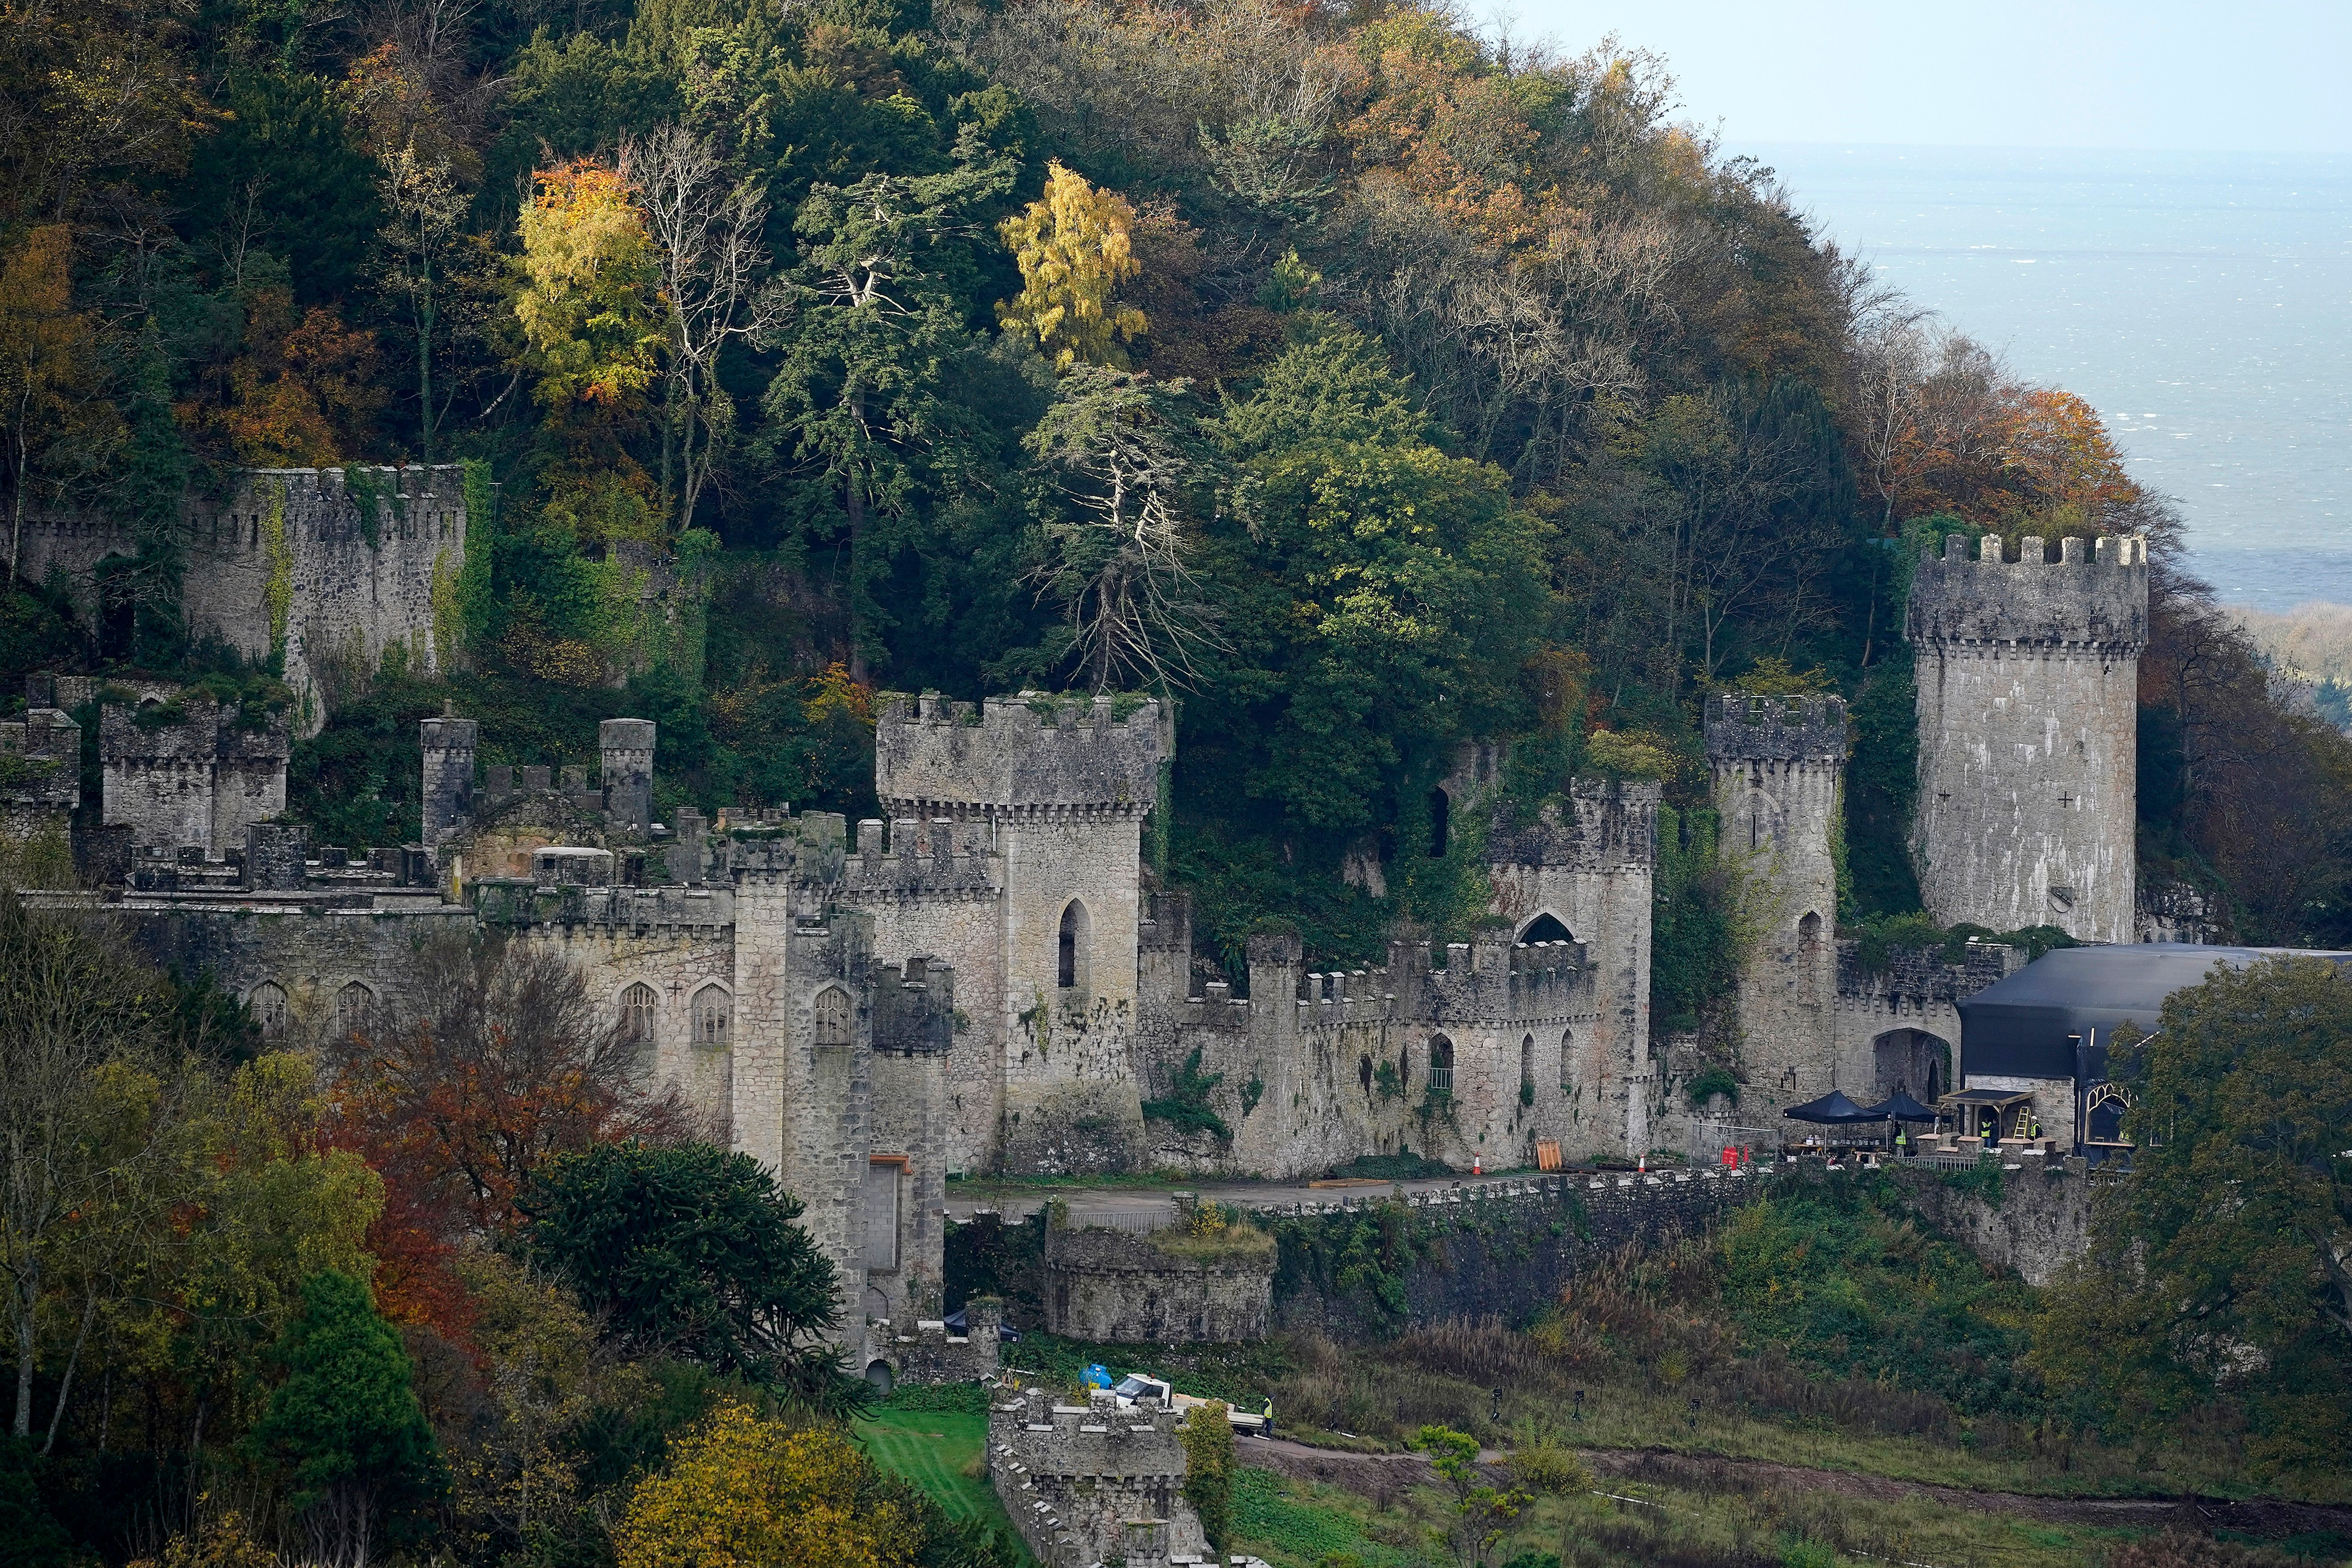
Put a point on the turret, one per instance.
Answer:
(448, 783)
(1778, 763)
(627, 754)
(2028, 677)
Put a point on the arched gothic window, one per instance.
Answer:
(833, 1017)
(712, 1006)
(1809, 931)
(1544, 928)
(354, 1008)
(1364, 1073)
(1441, 1065)
(1404, 1068)
(637, 1006)
(1566, 1056)
(268, 1003)
(1076, 936)
(1527, 1065)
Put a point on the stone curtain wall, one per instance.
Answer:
(2028, 683)
(1370, 1269)
(1084, 1483)
(1109, 1287)
(287, 560)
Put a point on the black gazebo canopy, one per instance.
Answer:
(1832, 1108)
(1899, 1107)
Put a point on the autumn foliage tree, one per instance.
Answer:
(1075, 249)
(585, 288)
(502, 1063)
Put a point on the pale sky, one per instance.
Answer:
(2253, 75)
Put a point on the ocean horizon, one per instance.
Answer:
(2201, 301)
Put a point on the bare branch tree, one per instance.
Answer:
(706, 227)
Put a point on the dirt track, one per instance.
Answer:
(1380, 1475)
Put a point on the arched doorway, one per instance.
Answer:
(1915, 1062)
(1441, 1065)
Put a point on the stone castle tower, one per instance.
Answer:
(1050, 794)
(1778, 766)
(2029, 678)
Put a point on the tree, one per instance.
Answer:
(1208, 1439)
(588, 279)
(2223, 1266)
(750, 1492)
(1117, 555)
(1072, 246)
(345, 1426)
(85, 1126)
(1481, 1512)
(876, 331)
(692, 1251)
(502, 1063)
(301, 393)
(706, 227)
(54, 421)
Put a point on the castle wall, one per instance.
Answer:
(1593, 867)
(948, 907)
(1777, 766)
(40, 773)
(802, 1108)
(2028, 705)
(1107, 1286)
(338, 598)
(906, 1177)
(1317, 1069)
(1084, 1483)
(1061, 785)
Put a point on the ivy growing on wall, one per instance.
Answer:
(278, 591)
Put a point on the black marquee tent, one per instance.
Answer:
(2052, 1018)
(1832, 1108)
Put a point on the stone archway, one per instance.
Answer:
(1912, 1060)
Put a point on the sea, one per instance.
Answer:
(2201, 301)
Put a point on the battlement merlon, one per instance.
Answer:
(914, 1007)
(1029, 753)
(2095, 600)
(1742, 729)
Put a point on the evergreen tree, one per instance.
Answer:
(345, 1426)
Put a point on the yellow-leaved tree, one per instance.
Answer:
(588, 281)
(746, 1492)
(1074, 250)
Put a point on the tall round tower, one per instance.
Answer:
(1778, 762)
(2029, 708)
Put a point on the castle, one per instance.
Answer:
(992, 979)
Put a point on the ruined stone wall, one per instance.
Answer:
(200, 779)
(40, 773)
(931, 1354)
(1084, 1483)
(1777, 766)
(284, 560)
(2028, 678)
(1110, 1288)
(1592, 864)
(2040, 1222)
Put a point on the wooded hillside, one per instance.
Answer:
(1368, 383)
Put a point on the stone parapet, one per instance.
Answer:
(1085, 1483)
(1923, 973)
(511, 902)
(1603, 825)
(1741, 728)
(933, 1355)
(1028, 754)
(40, 771)
(1113, 1288)
(2093, 601)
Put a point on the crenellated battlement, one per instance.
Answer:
(1604, 824)
(941, 858)
(1490, 981)
(513, 903)
(1086, 1482)
(1029, 754)
(1743, 728)
(2094, 600)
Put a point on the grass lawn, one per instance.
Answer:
(931, 1448)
